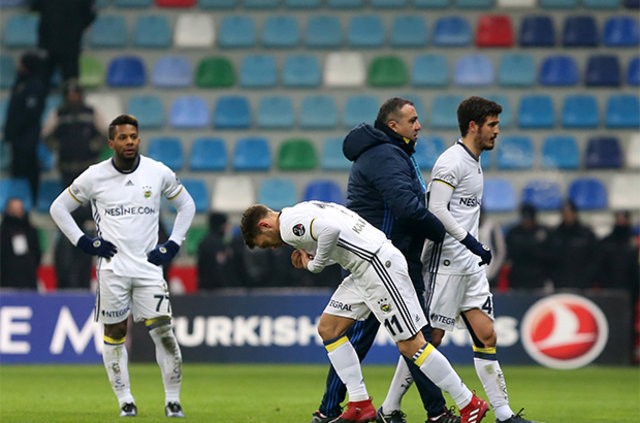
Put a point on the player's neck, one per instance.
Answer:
(469, 142)
(126, 165)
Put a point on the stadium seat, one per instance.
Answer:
(46, 158)
(237, 32)
(260, 4)
(603, 70)
(252, 153)
(537, 31)
(430, 70)
(198, 190)
(588, 193)
(451, 31)
(601, 4)
(15, 187)
(543, 194)
(633, 151)
(4, 103)
(473, 4)
(387, 71)
(275, 112)
(109, 104)
(515, 152)
(580, 31)
(302, 4)
(344, 69)
(280, 31)
(132, 4)
(331, 157)
(359, 108)
(631, 4)
(494, 31)
(621, 31)
(301, 71)
(48, 190)
(431, 4)
(12, 3)
(172, 72)
(323, 190)
(409, 31)
(560, 152)
(580, 111)
(152, 31)
(232, 194)
(558, 4)
(345, 4)
(297, 154)
(92, 73)
(167, 150)
(126, 71)
(21, 31)
(536, 111)
(428, 149)
(232, 112)
(365, 31)
(318, 111)
(473, 70)
(623, 191)
(444, 111)
(622, 111)
(175, 3)
(217, 4)
(189, 112)
(633, 71)
(516, 70)
(277, 193)
(194, 30)
(258, 71)
(195, 235)
(215, 72)
(498, 196)
(323, 31)
(7, 71)
(603, 152)
(515, 4)
(108, 31)
(208, 154)
(388, 4)
(559, 70)
(148, 109)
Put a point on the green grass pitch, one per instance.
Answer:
(290, 393)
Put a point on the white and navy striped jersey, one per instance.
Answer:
(349, 240)
(126, 209)
(462, 171)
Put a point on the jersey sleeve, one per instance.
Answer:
(171, 185)
(446, 169)
(81, 188)
(296, 227)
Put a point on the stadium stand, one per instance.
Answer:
(208, 154)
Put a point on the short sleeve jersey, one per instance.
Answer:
(358, 240)
(462, 170)
(126, 209)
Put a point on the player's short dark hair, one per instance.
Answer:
(476, 109)
(391, 108)
(121, 120)
(249, 223)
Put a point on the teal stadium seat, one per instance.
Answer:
(258, 71)
(21, 31)
(152, 32)
(280, 31)
(444, 111)
(7, 71)
(277, 192)
(252, 153)
(208, 154)
(108, 31)
(430, 70)
(189, 112)
(148, 109)
(360, 108)
(516, 70)
(332, 157)
(167, 150)
(237, 32)
(580, 111)
(560, 152)
(217, 4)
(318, 111)
(323, 31)
(536, 111)
(232, 112)
(132, 4)
(622, 112)
(366, 31)
(275, 112)
(301, 71)
(409, 31)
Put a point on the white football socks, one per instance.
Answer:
(169, 359)
(115, 360)
(345, 362)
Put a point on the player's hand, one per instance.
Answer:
(163, 253)
(478, 249)
(299, 259)
(97, 246)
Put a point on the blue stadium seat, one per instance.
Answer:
(543, 194)
(277, 193)
(444, 111)
(148, 109)
(559, 70)
(126, 71)
(360, 108)
(603, 152)
(431, 4)
(7, 71)
(280, 31)
(388, 4)
(15, 187)
(633, 71)
(621, 31)
(21, 31)
(301, 71)
(428, 149)
(172, 72)
(631, 4)
(537, 31)
(323, 190)
(48, 191)
(152, 31)
(452, 31)
(560, 152)
(345, 4)
(580, 111)
(232, 112)
(252, 154)
(473, 4)
(323, 31)
(536, 111)
(588, 193)
(258, 71)
(12, 3)
(516, 70)
(302, 4)
(46, 158)
(275, 112)
(622, 111)
(580, 31)
(603, 70)
(331, 156)
(108, 31)
(217, 4)
(208, 154)
(601, 4)
(365, 31)
(4, 103)
(558, 4)
(430, 70)
(189, 112)
(473, 70)
(318, 111)
(260, 4)
(237, 32)
(409, 31)
(499, 195)
(167, 150)
(515, 152)
(506, 117)
(132, 3)
(199, 191)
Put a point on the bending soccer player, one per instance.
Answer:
(125, 193)
(379, 283)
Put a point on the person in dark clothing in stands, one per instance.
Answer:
(19, 248)
(214, 255)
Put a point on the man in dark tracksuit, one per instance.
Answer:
(386, 188)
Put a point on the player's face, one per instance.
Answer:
(268, 239)
(407, 123)
(125, 143)
(487, 133)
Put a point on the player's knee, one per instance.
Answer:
(436, 337)
(116, 331)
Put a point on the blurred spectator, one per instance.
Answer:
(22, 123)
(490, 234)
(618, 266)
(573, 251)
(214, 256)
(527, 254)
(19, 248)
(72, 266)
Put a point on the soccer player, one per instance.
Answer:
(379, 283)
(458, 287)
(125, 193)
